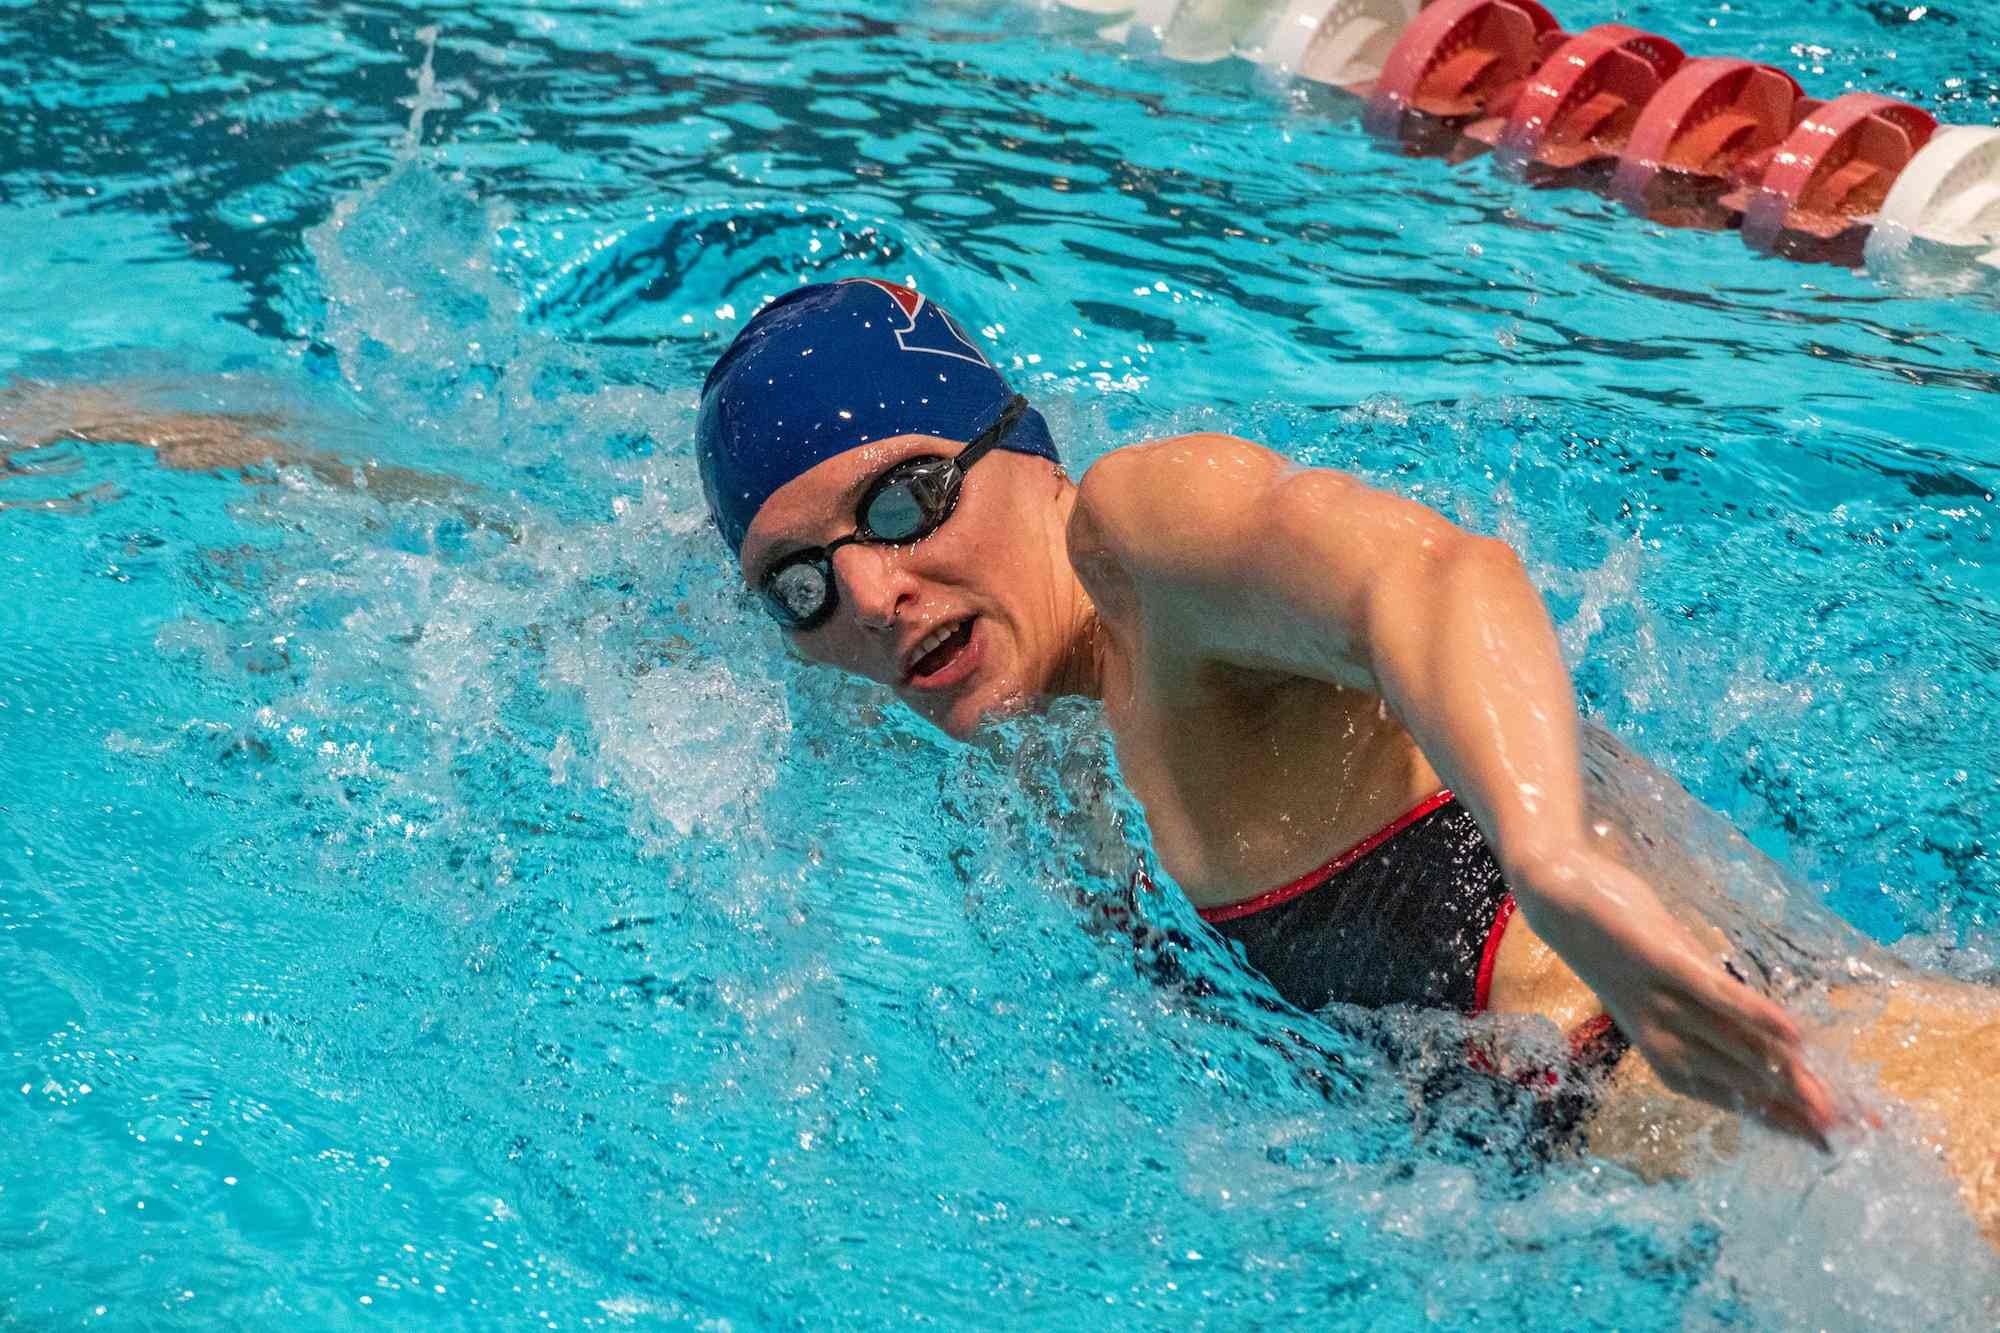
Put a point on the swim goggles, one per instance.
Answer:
(907, 503)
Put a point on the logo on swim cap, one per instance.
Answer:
(833, 366)
(938, 335)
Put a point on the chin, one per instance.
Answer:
(992, 691)
(961, 719)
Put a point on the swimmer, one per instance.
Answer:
(1347, 720)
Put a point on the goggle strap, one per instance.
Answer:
(990, 438)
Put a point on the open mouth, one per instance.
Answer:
(943, 650)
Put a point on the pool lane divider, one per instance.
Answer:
(1577, 111)
(1705, 142)
(1459, 64)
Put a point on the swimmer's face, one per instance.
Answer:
(965, 623)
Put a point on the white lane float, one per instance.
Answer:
(1943, 212)
(1344, 43)
(1198, 32)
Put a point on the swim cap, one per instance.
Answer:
(831, 367)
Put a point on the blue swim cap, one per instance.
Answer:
(831, 367)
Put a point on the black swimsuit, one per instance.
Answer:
(1412, 915)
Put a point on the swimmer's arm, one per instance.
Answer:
(36, 416)
(1262, 565)
(1246, 560)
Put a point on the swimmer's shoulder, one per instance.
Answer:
(1179, 510)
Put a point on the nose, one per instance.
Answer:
(872, 581)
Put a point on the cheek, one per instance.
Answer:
(834, 646)
(983, 554)
(1009, 570)
(827, 647)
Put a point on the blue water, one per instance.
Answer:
(442, 902)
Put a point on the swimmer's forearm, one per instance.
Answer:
(33, 416)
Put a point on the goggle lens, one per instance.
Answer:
(910, 500)
(799, 591)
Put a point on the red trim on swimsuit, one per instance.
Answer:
(1594, 1042)
(1483, 987)
(1586, 1032)
(1594, 1046)
(1313, 879)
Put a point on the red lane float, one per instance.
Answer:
(1712, 127)
(1578, 108)
(1823, 184)
(1457, 61)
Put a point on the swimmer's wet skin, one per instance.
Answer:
(1251, 628)
(35, 417)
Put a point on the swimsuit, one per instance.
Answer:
(1412, 915)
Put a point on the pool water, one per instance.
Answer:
(431, 896)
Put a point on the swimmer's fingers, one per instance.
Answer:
(1711, 1038)
(1705, 1034)
(1787, 1097)
(1750, 1064)
(1719, 1026)
(1788, 1119)
(1778, 1115)
(1768, 1050)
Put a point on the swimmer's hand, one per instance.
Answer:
(1706, 1034)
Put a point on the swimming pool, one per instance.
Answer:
(445, 903)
